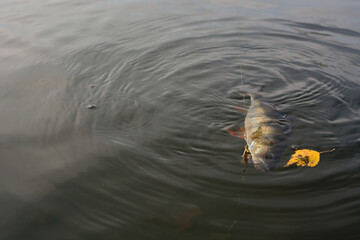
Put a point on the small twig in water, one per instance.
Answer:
(328, 151)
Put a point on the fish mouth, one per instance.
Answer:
(261, 165)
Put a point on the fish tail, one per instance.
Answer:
(246, 94)
(236, 93)
(251, 95)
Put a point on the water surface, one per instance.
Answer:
(152, 159)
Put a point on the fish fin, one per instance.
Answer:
(236, 131)
(242, 129)
(240, 109)
(252, 95)
(257, 133)
(236, 134)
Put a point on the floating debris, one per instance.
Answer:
(91, 107)
(306, 157)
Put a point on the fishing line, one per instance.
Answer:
(243, 97)
(241, 70)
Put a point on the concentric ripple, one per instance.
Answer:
(160, 82)
(111, 116)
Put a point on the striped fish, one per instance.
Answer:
(266, 133)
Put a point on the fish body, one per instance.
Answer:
(266, 133)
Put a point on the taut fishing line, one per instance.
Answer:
(243, 97)
(241, 68)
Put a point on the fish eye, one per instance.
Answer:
(269, 156)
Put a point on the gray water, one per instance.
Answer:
(152, 159)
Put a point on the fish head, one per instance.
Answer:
(263, 157)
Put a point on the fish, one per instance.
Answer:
(266, 131)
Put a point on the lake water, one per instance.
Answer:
(113, 117)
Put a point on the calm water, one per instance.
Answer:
(152, 159)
